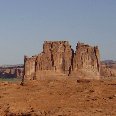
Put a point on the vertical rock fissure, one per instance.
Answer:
(98, 64)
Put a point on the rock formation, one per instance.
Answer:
(108, 69)
(58, 58)
(86, 61)
(11, 71)
(54, 60)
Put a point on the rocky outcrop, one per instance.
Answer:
(108, 69)
(29, 67)
(54, 60)
(11, 71)
(86, 61)
(58, 58)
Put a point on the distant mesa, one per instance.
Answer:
(108, 68)
(59, 59)
(11, 71)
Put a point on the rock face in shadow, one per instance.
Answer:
(11, 71)
(58, 58)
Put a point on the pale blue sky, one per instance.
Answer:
(25, 24)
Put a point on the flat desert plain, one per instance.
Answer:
(61, 97)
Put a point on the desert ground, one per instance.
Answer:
(59, 97)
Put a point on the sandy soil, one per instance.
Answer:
(63, 97)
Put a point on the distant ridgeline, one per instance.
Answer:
(11, 71)
(59, 59)
(108, 68)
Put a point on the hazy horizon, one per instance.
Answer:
(26, 24)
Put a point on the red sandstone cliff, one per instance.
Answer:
(86, 61)
(58, 58)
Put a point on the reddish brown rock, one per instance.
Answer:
(11, 71)
(86, 61)
(54, 60)
(58, 58)
(29, 67)
(108, 69)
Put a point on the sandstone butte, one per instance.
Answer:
(59, 59)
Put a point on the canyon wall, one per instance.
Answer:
(59, 59)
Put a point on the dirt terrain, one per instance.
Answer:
(62, 97)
